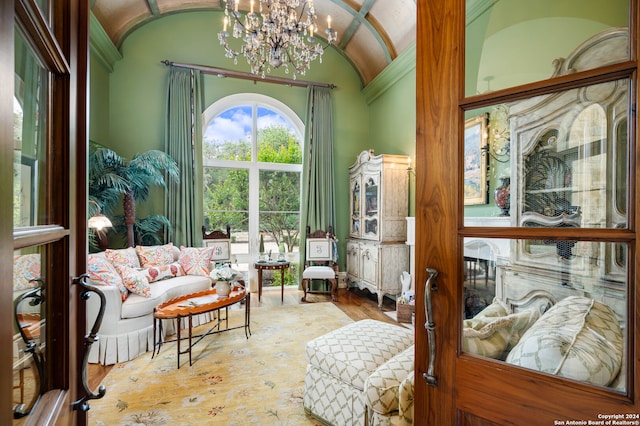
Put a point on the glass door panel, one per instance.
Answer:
(568, 160)
(29, 315)
(226, 202)
(29, 140)
(280, 212)
(506, 55)
(568, 319)
(356, 206)
(371, 205)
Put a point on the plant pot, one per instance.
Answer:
(223, 288)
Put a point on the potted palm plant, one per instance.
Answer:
(112, 178)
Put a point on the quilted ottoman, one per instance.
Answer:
(341, 361)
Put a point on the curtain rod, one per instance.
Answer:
(221, 72)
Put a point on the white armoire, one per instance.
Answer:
(379, 203)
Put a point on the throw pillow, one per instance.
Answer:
(578, 338)
(155, 255)
(123, 257)
(493, 337)
(102, 272)
(161, 272)
(497, 308)
(195, 260)
(135, 280)
(26, 267)
(382, 387)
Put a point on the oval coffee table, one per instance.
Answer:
(198, 303)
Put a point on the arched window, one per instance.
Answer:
(252, 164)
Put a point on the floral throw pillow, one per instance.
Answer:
(161, 272)
(102, 272)
(25, 268)
(135, 280)
(195, 260)
(123, 257)
(155, 255)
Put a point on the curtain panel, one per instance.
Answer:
(183, 135)
(318, 188)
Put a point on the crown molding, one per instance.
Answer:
(101, 45)
(396, 70)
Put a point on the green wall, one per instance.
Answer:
(98, 102)
(392, 112)
(128, 104)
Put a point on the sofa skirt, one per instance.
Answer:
(112, 349)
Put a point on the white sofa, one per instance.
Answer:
(361, 374)
(127, 326)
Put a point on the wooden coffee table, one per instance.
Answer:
(198, 303)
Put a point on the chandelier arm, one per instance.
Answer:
(235, 17)
(304, 6)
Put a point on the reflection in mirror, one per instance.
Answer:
(566, 320)
(29, 135)
(479, 275)
(568, 162)
(518, 44)
(29, 335)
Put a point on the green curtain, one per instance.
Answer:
(318, 189)
(183, 205)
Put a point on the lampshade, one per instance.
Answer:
(99, 222)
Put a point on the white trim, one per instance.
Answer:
(254, 100)
(238, 99)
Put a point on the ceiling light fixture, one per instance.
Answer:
(282, 34)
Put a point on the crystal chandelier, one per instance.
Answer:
(282, 34)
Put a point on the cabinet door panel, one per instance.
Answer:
(369, 256)
(353, 261)
(371, 218)
(355, 203)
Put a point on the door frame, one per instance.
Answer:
(440, 106)
(61, 39)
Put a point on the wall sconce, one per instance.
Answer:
(498, 138)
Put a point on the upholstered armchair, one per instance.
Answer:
(389, 391)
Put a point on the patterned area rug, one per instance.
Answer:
(233, 380)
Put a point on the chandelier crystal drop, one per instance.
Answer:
(281, 34)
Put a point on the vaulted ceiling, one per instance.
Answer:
(371, 33)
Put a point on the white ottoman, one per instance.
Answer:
(339, 364)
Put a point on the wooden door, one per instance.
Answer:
(43, 108)
(557, 248)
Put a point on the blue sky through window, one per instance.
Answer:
(234, 124)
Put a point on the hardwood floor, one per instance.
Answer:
(357, 304)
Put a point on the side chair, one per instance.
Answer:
(319, 262)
